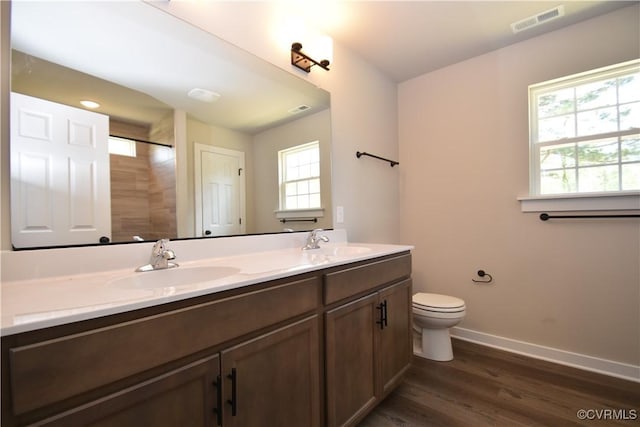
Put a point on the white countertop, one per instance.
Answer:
(36, 303)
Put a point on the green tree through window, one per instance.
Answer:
(585, 132)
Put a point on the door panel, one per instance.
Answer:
(219, 191)
(60, 183)
(184, 397)
(351, 341)
(395, 339)
(277, 379)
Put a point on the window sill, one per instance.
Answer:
(300, 213)
(629, 200)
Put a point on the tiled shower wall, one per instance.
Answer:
(142, 188)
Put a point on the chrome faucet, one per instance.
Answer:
(313, 239)
(160, 257)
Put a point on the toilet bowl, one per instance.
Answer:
(433, 315)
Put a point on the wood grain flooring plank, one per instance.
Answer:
(484, 386)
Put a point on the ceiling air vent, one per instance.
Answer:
(539, 19)
(299, 109)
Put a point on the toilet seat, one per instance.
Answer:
(437, 303)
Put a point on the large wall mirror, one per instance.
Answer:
(192, 137)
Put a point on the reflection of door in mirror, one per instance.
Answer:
(220, 191)
(60, 174)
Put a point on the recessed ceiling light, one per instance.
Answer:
(203, 95)
(89, 104)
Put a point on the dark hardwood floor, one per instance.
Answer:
(488, 387)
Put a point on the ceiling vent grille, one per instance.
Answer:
(539, 19)
(299, 109)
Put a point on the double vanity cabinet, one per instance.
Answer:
(318, 348)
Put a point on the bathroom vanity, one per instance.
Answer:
(314, 344)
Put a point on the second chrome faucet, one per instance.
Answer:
(160, 258)
(314, 238)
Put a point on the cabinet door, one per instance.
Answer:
(351, 340)
(184, 397)
(395, 339)
(274, 380)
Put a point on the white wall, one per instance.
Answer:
(463, 135)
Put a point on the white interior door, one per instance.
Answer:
(219, 188)
(60, 190)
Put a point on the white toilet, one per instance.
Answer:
(433, 315)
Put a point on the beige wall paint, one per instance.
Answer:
(266, 146)
(463, 136)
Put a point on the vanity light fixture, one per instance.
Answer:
(304, 62)
(89, 104)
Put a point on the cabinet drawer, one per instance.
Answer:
(57, 369)
(353, 281)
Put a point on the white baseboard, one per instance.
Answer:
(576, 360)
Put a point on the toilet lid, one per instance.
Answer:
(436, 301)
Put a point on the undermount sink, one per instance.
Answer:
(173, 277)
(340, 251)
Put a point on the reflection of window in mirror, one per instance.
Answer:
(122, 146)
(299, 172)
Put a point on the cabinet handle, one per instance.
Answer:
(218, 409)
(234, 397)
(384, 309)
(383, 314)
(381, 321)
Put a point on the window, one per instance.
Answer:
(122, 146)
(300, 177)
(585, 132)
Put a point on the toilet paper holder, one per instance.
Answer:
(482, 273)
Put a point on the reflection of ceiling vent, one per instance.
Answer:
(539, 19)
(203, 95)
(299, 109)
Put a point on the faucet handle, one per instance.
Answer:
(160, 257)
(159, 246)
(314, 238)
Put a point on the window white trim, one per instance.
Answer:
(300, 213)
(629, 200)
(300, 178)
(575, 201)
